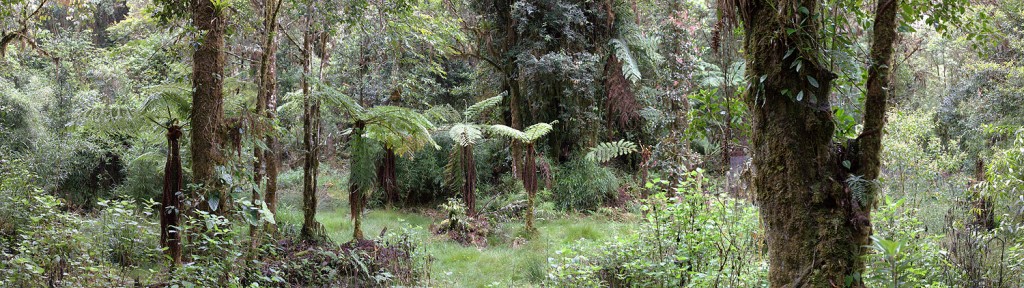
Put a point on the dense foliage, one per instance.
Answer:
(507, 143)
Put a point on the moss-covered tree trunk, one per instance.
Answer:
(267, 86)
(311, 229)
(170, 206)
(357, 184)
(208, 101)
(816, 227)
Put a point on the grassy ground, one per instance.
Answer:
(500, 264)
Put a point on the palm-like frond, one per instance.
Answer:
(508, 132)
(529, 135)
(442, 114)
(168, 100)
(337, 98)
(538, 130)
(474, 110)
(398, 128)
(630, 68)
(465, 134)
(608, 150)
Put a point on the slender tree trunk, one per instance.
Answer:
(469, 183)
(311, 230)
(269, 91)
(208, 101)
(815, 229)
(267, 87)
(170, 210)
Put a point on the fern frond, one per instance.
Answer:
(442, 114)
(508, 132)
(608, 150)
(465, 134)
(630, 69)
(474, 110)
(174, 99)
(339, 99)
(538, 130)
(398, 128)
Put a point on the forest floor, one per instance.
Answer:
(505, 262)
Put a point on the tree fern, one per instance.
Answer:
(630, 69)
(465, 134)
(398, 128)
(608, 150)
(474, 110)
(507, 132)
(538, 130)
(168, 100)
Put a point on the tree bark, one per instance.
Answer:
(388, 177)
(815, 228)
(267, 87)
(311, 230)
(269, 91)
(170, 208)
(208, 101)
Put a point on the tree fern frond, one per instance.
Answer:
(398, 128)
(442, 114)
(174, 99)
(608, 150)
(339, 99)
(538, 130)
(465, 134)
(508, 132)
(630, 69)
(474, 110)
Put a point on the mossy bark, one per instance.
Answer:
(311, 229)
(815, 231)
(208, 100)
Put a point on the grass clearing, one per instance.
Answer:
(504, 263)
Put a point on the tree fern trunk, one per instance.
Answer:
(469, 183)
(170, 208)
(530, 184)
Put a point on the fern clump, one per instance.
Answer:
(861, 190)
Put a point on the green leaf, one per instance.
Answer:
(800, 96)
(814, 82)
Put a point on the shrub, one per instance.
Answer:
(583, 185)
(692, 240)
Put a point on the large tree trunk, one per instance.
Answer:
(170, 206)
(815, 226)
(208, 101)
